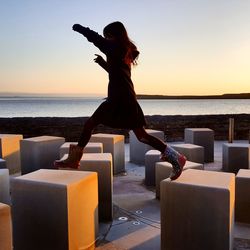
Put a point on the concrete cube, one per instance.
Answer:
(4, 186)
(2, 163)
(203, 137)
(55, 209)
(39, 152)
(235, 156)
(5, 228)
(113, 144)
(164, 169)
(91, 147)
(151, 157)
(137, 149)
(194, 153)
(102, 164)
(10, 151)
(242, 198)
(197, 211)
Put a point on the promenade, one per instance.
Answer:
(136, 223)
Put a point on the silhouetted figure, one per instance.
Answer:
(120, 109)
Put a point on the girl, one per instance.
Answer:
(120, 109)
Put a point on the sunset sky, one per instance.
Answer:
(187, 47)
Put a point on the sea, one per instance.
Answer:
(34, 106)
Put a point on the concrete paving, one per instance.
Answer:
(136, 223)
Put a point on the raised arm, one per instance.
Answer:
(92, 36)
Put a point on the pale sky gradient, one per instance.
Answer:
(188, 47)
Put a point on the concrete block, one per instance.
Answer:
(10, 151)
(194, 153)
(91, 147)
(39, 152)
(242, 198)
(235, 156)
(203, 137)
(113, 144)
(2, 163)
(137, 149)
(55, 209)
(5, 228)
(4, 186)
(102, 164)
(151, 157)
(197, 211)
(164, 169)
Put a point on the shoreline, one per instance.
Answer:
(172, 125)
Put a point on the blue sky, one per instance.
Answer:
(187, 46)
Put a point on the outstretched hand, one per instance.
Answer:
(99, 59)
(77, 27)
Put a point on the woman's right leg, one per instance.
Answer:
(76, 151)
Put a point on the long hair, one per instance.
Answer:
(119, 33)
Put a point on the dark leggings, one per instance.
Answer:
(140, 133)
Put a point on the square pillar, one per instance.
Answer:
(10, 151)
(113, 144)
(137, 149)
(5, 186)
(102, 164)
(203, 137)
(242, 197)
(39, 152)
(235, 156)
(55, 209)
(197, 211)
(194, 153)
(91, 147)
(5, 228)
(164, 169)
(151, 157)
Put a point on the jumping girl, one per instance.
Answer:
(120, 109)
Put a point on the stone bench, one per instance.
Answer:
(113, 144)
(91, 147)
(10, 151)
(197, 211)
(55, 209)
(151, 157)
(4, 186)
(235, 156)
(203, 137)
(194, 153)
(164, 169)
(39, 152)
(242, 197)
(5, 227)
(137, 149)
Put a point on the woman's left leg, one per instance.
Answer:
(167, 153)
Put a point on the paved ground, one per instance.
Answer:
(136, 223)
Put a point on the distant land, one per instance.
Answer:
(224, 96)
(139, 96)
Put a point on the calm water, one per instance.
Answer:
(75, 107)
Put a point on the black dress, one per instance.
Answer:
(120, 109)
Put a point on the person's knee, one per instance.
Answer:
(140, 135)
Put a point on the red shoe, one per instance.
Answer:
(73, 159)
(178, 168)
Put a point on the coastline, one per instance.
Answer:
(195, 97)
(172, 125)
